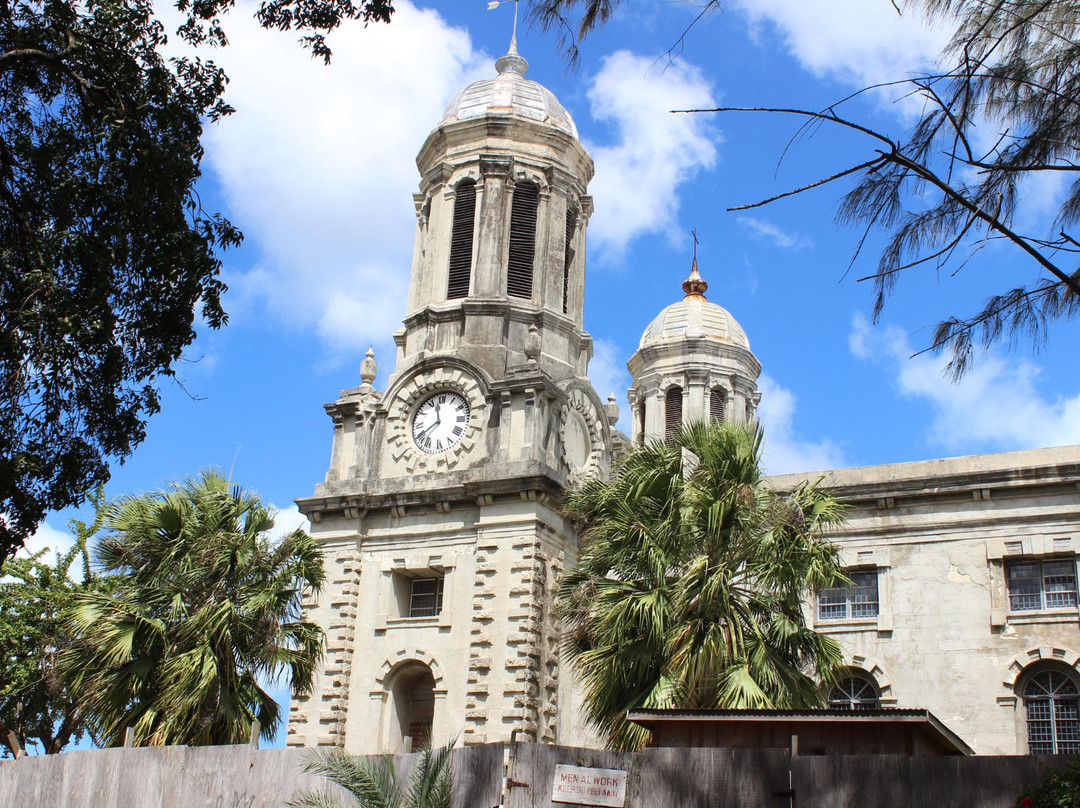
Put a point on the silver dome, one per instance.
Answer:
(510, 93)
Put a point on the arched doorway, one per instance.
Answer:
(412, 708)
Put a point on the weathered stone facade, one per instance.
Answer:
(442, 559)
(938, 536)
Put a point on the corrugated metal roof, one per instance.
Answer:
(889, 715)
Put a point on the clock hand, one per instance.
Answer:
(424, 433)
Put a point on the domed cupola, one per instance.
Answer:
(693, 362)
(510, 93)
(499, 260)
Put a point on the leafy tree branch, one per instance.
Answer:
(108, 261)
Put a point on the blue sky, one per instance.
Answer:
(317, 168)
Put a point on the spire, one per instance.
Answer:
(512, 61)
(695, 285)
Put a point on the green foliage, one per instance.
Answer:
(35, 703)
(204, 609)
(688, 589)
(941, 193)
(1061, 789)
(1004, 111)
(573, 20)
(374, 783)
(106, 254)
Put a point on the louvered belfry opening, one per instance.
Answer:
(716, 404)
(672, 411)
(568, 258)
(641, 421)
(461, 240)
(519, 273)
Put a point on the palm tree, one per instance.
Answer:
(205, 611)
(374, 782)
(688, 589)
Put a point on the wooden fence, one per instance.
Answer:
(242, 777)
(771, 778)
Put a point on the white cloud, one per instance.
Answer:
(996, 407)
(318, 167)
(785, 450)
(772, 232)
(860, 42)
(608, 374)
(637, 178)
(286, 520)
(55, 540)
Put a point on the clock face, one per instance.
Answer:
(440, 421)
(577, 441)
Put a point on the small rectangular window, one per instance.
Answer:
(427, 597)
(1046, 584)
(850, 602)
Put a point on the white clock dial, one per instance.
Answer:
(440, 421)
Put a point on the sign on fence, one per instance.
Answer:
(583, 786)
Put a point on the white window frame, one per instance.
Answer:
(437, 593)
(850, 693)
(1054, 588)
(852, 597)
(1056, 711)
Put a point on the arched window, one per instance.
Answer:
(855, 691)
(519, 273)
(672, 411)
(413, 708)
(717, 401)
(1052, 706)
(568, 258)
(461, 240)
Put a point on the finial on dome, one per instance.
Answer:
(512, 62)
(695, 285)
(369, 368)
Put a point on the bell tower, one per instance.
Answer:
(498, 273)
(438, 516)
(693, 362)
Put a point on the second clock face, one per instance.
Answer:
(440, 421)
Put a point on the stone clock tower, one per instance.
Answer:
(438, 517)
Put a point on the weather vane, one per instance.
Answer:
(494, 4)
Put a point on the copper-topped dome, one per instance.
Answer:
(694, 316)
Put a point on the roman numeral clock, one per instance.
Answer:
(433, 421)
(440, 421)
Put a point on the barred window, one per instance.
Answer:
(1046, 584)
(519, 273)
(855, 692)
(672, 411)
(461, 240)
(1052, 706)
(427, 597)
(850, 601)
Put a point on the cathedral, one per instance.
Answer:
(439, 515)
